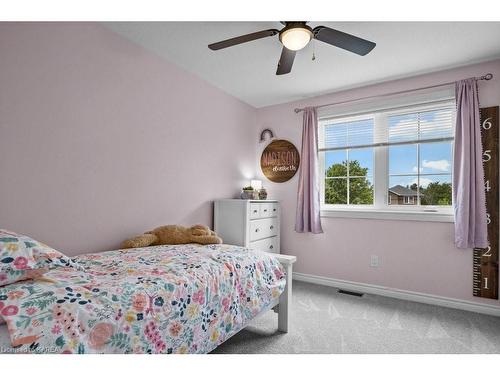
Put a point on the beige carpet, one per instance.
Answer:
(324, 321)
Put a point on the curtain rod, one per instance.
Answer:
(486, 77)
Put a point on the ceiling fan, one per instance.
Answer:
(295, 36)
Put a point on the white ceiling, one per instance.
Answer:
(247, 71)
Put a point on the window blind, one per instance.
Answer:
(401, 127)
(349, 134)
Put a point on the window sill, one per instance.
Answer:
(381, 214)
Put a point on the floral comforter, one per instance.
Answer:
(162, 299)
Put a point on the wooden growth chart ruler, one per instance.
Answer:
(485, 281)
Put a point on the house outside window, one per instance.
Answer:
(399, 195)
(395, 159)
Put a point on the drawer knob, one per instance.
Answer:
(274, 209)
(271, 227)
(265, 210)
(271, 247)
(257, 229)
(254, 211)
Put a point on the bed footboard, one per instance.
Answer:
(285, 300)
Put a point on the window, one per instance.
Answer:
(389, 160)
(419, 160)
(349, 172)
(409, 200)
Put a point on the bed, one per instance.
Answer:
(160, 299)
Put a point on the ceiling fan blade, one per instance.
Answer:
(343, 40)
(242, 39)
(286, 61)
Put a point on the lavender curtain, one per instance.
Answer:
(308, 211)
(468, 173)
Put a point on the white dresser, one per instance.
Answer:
(250, 223)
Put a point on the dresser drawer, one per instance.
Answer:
(255, 210)
(263, 228)
(268, 244)
(266, 210)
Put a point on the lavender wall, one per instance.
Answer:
(100, 139)
(415, 256)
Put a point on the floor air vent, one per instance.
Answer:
(356, 294)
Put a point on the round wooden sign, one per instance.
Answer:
(280, 161)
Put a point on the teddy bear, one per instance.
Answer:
(174, 235)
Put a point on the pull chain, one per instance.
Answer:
(314, 55)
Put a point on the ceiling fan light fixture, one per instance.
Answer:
(296, 38)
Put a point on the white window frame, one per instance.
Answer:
(380, 208)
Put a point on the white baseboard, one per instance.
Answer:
(407, 295)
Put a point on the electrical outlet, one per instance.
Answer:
(374, 261)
